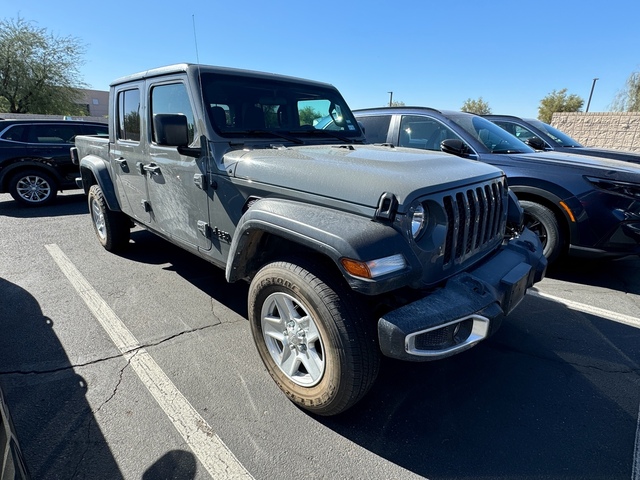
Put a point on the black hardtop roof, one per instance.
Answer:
(194, 67)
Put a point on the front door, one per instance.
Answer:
(176, 183)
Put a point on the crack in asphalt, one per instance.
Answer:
(110, 357)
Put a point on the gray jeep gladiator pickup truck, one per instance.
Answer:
(351, 250)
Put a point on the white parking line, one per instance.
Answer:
(581, 307)
(635, 471)
(214, 455)
(616, 317)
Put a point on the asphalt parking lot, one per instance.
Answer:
(554, 395)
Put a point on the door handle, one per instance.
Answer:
(152, 168)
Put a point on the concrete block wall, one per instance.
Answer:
(615, 130)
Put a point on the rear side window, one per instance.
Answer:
(17, 133)
(54, 133)
(375, 128)
(129, 115)
(95, 130)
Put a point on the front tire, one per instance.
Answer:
(112, 228)
(541, 221)
(311, 335)
(33, 188)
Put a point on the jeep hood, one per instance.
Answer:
(357, 174)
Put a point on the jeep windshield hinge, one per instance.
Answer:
(387, 207)
(200, 180)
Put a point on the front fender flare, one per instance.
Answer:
(332, 233)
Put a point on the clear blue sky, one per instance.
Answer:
(438, 54)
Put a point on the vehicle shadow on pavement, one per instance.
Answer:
(67, 204)
(55, 425)
(554, 394)
(621, 274)
(150, 249)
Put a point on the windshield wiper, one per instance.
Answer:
(506, 151)
(274, 134)
(328, 133)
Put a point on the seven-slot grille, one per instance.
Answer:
(475, 219)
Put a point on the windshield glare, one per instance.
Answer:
(496, 139)
(237, 105)
(562, 138)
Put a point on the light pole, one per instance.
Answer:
(390, 98)
(591, 94)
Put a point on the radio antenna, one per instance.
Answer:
(195, 38)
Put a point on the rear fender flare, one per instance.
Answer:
(95, 170)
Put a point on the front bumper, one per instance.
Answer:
(468, 308)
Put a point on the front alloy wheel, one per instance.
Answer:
(292, 339)
(312, 335)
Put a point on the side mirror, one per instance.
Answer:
(170, 130)
(454, 146)
(536, 143)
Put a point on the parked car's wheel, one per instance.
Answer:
(312, 338)
(33, 188)
(112, 228)
(540, 220)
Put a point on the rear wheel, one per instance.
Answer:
(33, 188)
(312, 337)
(541, 221)
(112, 228)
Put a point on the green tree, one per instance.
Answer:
(38, 70)
(558, 101)
(479, 106)
(628, 98)
(397, 103)
(308, 115)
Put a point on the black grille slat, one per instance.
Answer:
(474, 220)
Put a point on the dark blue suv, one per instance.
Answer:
(35, 159)
(578, 205)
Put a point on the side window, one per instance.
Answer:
(423, 132)
(129, 115)
(16, 133)
(376, 128)
(52, 133)
(95, 130)
(172, 98)
(523, 133)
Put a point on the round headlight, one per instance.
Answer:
(417, 220)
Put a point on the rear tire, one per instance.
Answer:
(112, 228)
(541, 221)
(33, 188)
(312, 336)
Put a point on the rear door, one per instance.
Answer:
(176, 183)
(128, 153)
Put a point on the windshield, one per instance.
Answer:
(241, 105)
(490, 135)
(562, 138)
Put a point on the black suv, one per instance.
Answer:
(580, 205)
(542, 136)
(35, 162)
